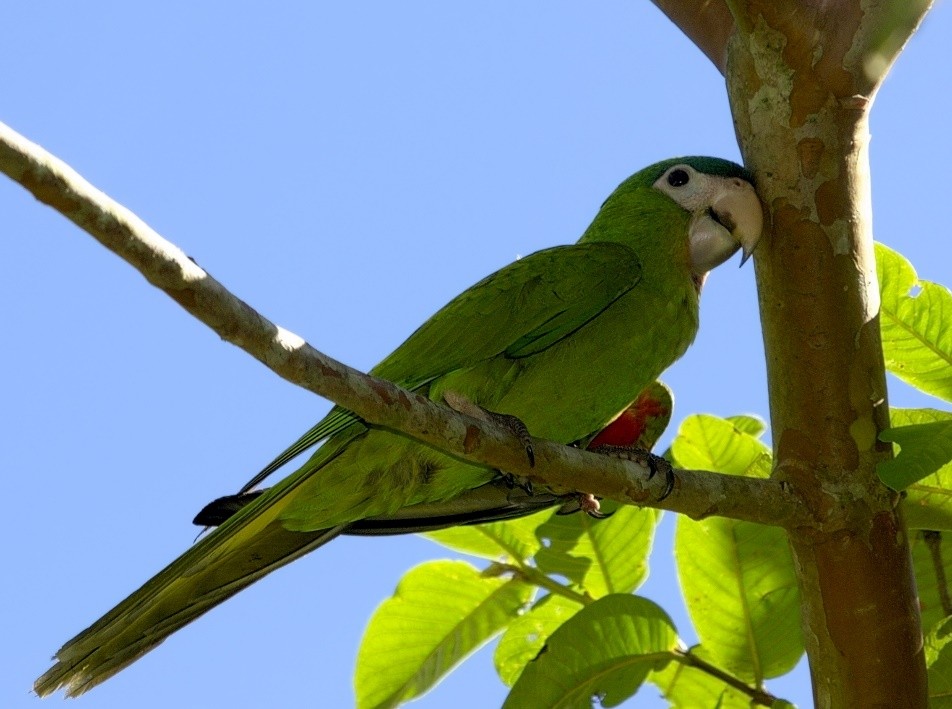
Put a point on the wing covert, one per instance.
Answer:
(518, 311)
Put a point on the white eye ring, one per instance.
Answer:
(678, 177)
(691, 189)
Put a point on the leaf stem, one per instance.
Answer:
(933, 542)
(530, 574)
(756, 694)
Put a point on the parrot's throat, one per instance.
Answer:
(698, 281)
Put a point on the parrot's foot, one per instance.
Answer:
(517, 481)
(217, 511)
(589, 505)
(460, 403)
(582, 502)
(651, 462)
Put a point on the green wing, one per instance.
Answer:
(517, 311)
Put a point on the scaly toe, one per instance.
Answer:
(463, 405)
(651, 462)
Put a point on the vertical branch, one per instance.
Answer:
(801, 78)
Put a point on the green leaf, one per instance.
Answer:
(938, 647)
(910, 417)
(601, 556)
(925, 449)
(440, 613)
(751, 425)
(707, 442)
(687, 687)
(741, 591)
(931, 582)
(928, 502)
(526, 635)
(737, 577)
(916, 327)
(515, 538)
(605, 650)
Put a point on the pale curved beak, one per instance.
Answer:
(734, 220)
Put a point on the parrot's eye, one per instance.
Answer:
(678, 178)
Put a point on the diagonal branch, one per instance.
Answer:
(697, 494)
(707, 23)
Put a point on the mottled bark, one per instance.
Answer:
(801, 78)
(801, 82)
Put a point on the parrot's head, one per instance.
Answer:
(725, 211)
(715, 198)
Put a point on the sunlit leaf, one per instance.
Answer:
(515, 538)
(441, 612)
(737, 578)
(925, 448)
(605, 651)
(741, 591)
(707, 442)
(933, 569)
(601, 556)
(916, 326)
(526, 635)
(928, 502)
(751, 425)
(938, 647)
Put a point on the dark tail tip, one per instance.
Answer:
(217, 511)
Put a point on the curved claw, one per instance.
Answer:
(669, 481)
(518, 429)
(460, 403)
(656, 463)
(513, 481)
(653, 463)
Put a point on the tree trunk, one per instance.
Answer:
(801, 83)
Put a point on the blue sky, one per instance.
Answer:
(346, 168)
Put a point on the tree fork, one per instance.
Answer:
(801, 82)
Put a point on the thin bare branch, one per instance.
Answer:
(697, 493)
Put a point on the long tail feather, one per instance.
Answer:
(250, 544)
(212, 571)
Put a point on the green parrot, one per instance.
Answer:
(562, 341)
